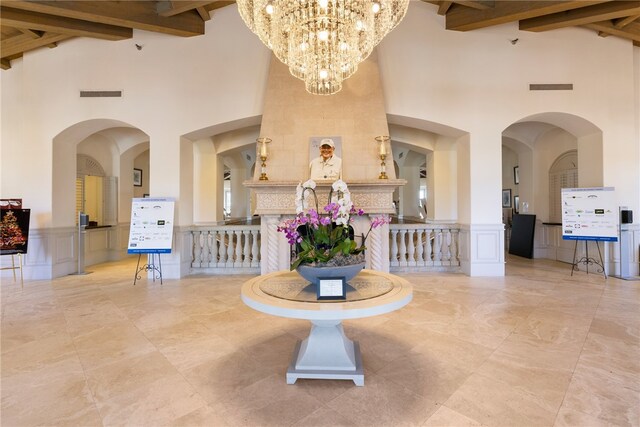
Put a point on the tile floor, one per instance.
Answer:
(535, 348)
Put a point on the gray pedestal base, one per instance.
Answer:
(357, 375)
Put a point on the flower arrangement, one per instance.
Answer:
(326, 238)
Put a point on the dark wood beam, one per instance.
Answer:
(31, 33)
(631, 31)
(60, 24)
(622, 22)
(23, 43)
(140, 15)
(581, 16)
(5, 64)
(443, 7)
(172, 8)
(477, 4)
(464, 19)
(204, 13)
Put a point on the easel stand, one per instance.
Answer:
(586, 260)
(156, 270)
(14, 268)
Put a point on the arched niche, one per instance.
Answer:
(436, 145)
(538, 140)
(64, 169)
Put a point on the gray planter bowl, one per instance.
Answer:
(313, 274)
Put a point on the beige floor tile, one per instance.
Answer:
(536, 347)
(270, 401)
(65, 401)
(382, 403)
(598, 395)
(110, 344)
(570, 418)
(492, 402)
(125, 376)
(445, 417)
(323, 417)
(168, 398)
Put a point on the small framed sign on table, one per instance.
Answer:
(332, 288)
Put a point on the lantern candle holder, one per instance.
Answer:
(382, 153)
(263, 154)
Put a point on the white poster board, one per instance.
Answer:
(589, 214)
(151, 225)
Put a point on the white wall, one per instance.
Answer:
(473, 85)
(478, 82)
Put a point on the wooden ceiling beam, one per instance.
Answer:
(23, 43)
(140, 15)
(477, 4)
(581, 16)
(172, 8)
(631, 31)
(465, 19)
(34, 34)
(204, 13)
(5, 64)
(59, 24)
(443, 7)
(622, 22)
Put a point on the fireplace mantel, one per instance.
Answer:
(278, 197)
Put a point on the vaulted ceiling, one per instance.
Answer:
(31, 24)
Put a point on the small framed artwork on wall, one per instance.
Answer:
(516, 175)
(137, 177)
(506, 198)
(516, 203)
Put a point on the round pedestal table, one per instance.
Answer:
(326, 353)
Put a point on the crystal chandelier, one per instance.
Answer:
(322, 41)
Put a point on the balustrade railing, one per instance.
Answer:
(423, 247)
(235, 249)
(226, 249)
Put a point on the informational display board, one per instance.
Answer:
(14, 231)
(589, 214)
(151, 226)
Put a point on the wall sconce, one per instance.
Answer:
(263, 154)
(382, 152)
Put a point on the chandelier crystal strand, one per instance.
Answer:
(322, 41)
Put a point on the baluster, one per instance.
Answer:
(428, 248)
(420, 260)
(403, 248)
(411, 261)
(437, 247)
(447, 246)
(196, 235)
(255, 261)
(206, 255)
(230, 249)
(394, 248)
(237, 262)
(203, 247)
(215, 249)
(454, 248)
(222, 248)
(246, 260)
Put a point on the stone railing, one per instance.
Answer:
(423, 247)
(235, 249)
(226, 249)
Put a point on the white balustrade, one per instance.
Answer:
(226, 249)
(423, 247)
(235, 249)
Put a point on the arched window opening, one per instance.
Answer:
(562, 174)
